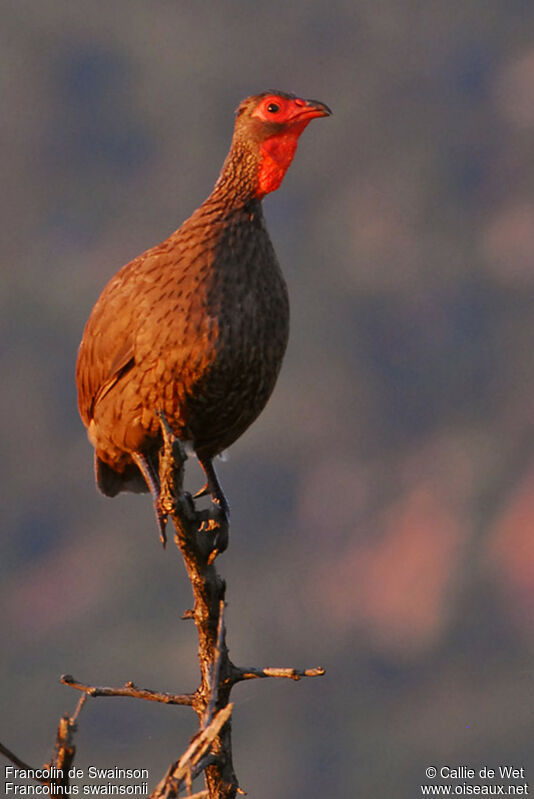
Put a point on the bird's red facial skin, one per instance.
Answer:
(286, 111)
(290, 115)
(276, 155)
(274, 108)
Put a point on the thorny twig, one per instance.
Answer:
(129, 689)
(210, 751)
(215, 670)
(63, 755)
(16, 760)
(178, 772)
(279, 672)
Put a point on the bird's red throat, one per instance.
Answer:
(276, 155)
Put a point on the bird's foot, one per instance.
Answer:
(202, 492)
(216, 524)
(216, 521)
(170, 498)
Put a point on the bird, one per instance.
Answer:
(194, 330)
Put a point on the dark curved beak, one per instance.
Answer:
(310, 109)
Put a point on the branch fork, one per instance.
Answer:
(200, 536)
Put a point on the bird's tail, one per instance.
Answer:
(112, 482)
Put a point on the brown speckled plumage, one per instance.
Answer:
(195, 327)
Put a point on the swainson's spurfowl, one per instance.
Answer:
(196, 327)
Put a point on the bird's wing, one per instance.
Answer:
(107, 350)
(127, 324)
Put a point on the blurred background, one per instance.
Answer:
(383, 504)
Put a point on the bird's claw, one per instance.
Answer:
(215, 522)
(187, 507)
(202, 492)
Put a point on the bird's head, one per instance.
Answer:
(270, 125)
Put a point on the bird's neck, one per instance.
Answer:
(237, 183)
(253, 169)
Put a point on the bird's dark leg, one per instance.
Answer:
(146, 468)
(213, 487)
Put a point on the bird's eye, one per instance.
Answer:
(272, 108)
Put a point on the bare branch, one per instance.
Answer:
(180, 771)
(64, 751)
(129, 690)
(286, 673)
(16, 760)
(215, 671)
(200, 536)
(81, 702)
